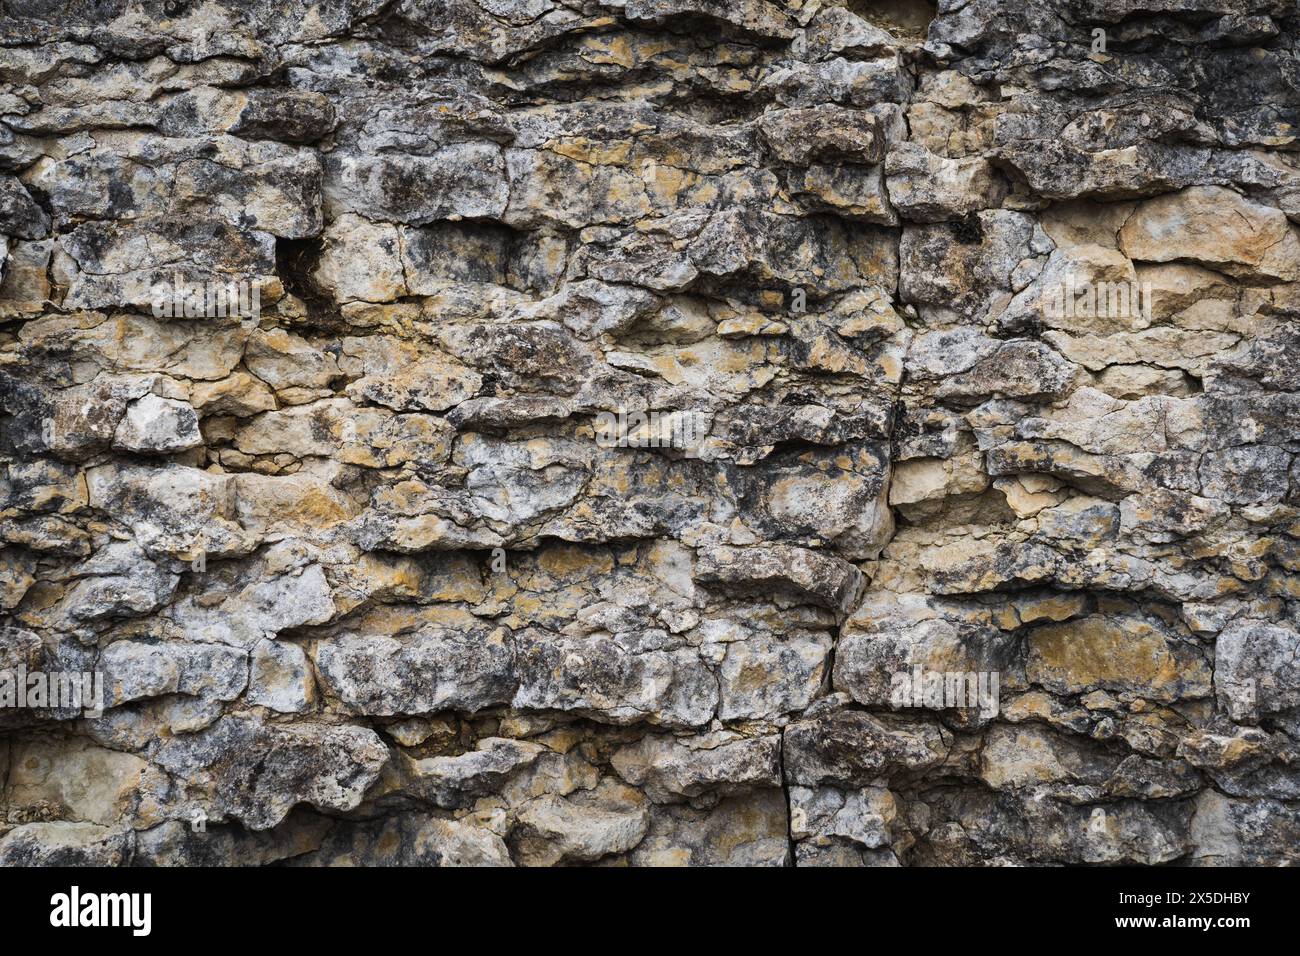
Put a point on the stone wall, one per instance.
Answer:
(650, 432)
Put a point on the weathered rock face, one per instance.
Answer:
(662, 432)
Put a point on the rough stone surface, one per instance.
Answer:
(664, 432)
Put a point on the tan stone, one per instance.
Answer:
(88, 783)
(241, 394)
(1126, 654)
(1215, 227)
